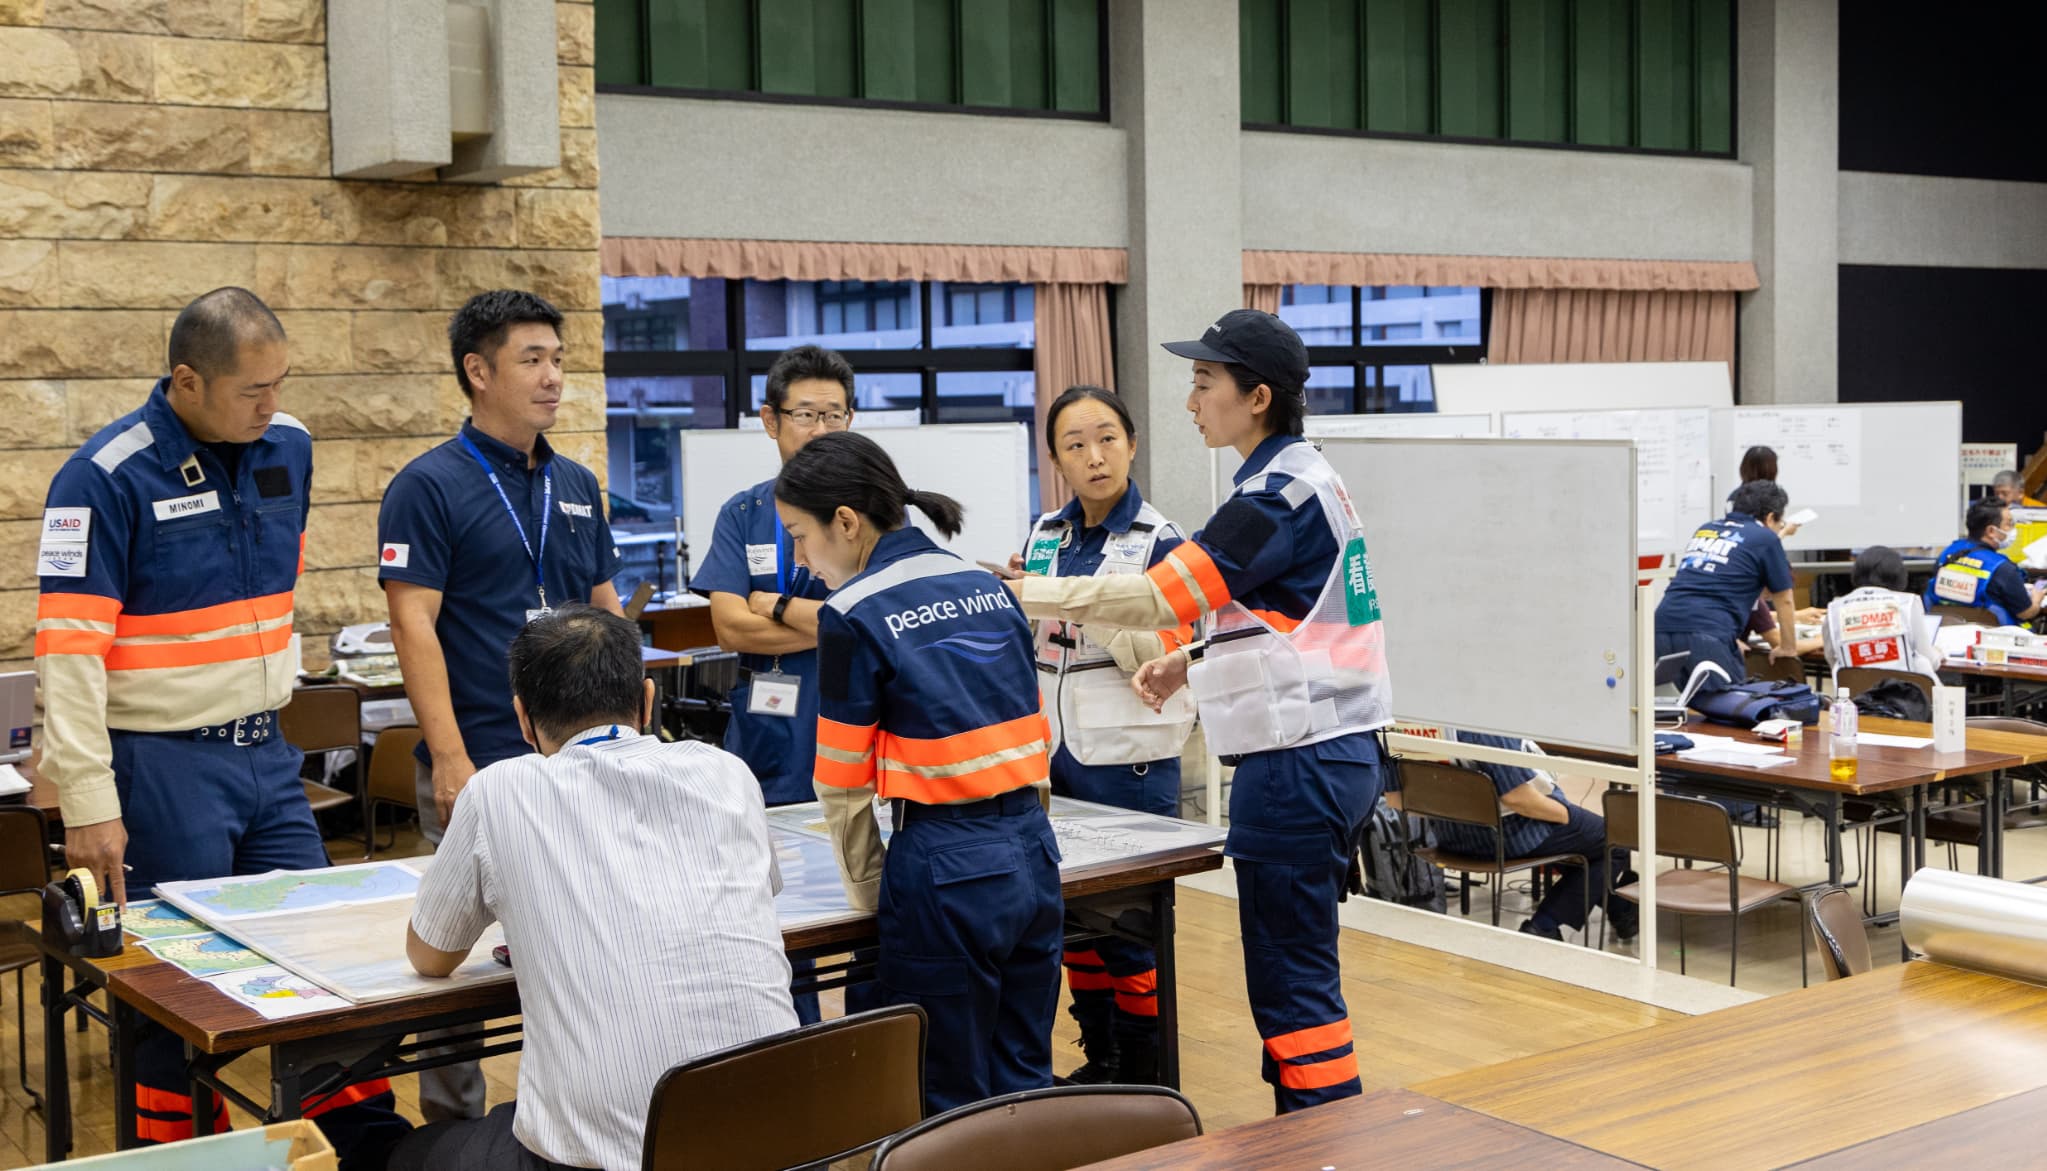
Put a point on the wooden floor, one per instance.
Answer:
(1416, 1014)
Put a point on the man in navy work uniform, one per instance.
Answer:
(1975, 572)
(171, 547)
(1727, 564)
(476, 538)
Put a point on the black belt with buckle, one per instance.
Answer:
(245, 732)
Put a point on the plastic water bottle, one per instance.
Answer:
(1841, 746)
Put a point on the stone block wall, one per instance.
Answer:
(151, 150)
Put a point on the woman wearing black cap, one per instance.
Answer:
(1291, 683)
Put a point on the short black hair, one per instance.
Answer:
(577, 666)
(804, 363)
(1075, 394)
(480, 326)
(1289, 410)
(1880, 565)
(209, 333)
(845, 469)
(1985, 512)
(1759, 463)
(1759, 499)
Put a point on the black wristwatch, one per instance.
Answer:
(782, 607)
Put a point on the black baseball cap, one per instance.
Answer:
(1260, 341)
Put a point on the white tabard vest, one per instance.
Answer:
(1088, 699)
(1261, 688)
(1873, 627)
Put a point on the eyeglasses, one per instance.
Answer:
(806, 417)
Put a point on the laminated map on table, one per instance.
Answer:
(342, 927)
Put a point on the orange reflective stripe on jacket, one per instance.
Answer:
(1190, 581)
(206, 619)
(72, 642)
(79, 607)
(845, 753)
(966, 766)
(152, 655)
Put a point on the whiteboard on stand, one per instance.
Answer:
(1546, 652)
(1877, 473)
(1224, 461)
(1673, 462)
(1496, 388)
(984, 466)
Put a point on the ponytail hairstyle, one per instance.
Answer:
(1289, 410)
(845, 469)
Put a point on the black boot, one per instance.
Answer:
(1100, 1069)
(1137, 1057)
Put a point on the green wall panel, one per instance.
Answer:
(620, 42)
(1261, 61)
(1468, 68)
(1076, 56)
(1715, 40)
(1602, 77)
(1399, 62)
(1663, 75)
(1538, 52)
(701, 44)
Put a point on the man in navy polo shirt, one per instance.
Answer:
(477, 537)
(1727, 565)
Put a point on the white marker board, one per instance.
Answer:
(1495, 388)
(1877, 473)
(984, 466)
(1224, 461)
(1673, 462)
(1545, 650)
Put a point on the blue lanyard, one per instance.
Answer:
(597, 739)
(782, 562)
(546, 507)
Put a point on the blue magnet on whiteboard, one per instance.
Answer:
(1611, 683)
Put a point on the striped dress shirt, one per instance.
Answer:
(635, 881)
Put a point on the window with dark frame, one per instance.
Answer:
(1370, 346)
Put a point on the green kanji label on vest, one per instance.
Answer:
(1360, 597)
(1039, 559)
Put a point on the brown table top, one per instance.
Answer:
(2029, 748)
(1390, 1128)
(215, 1024)
(1769, 1083)
(1879, 769)
(2036, 674)
(1987, 1136)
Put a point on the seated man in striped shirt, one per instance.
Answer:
(635, 881)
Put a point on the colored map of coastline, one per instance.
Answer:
(206, 955)
(305, 891)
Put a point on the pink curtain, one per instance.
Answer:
(1262, 297)
(1605, 325)
(1496, 272)
(1072, 350)
(807, 260)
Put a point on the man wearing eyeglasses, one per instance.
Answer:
(763, 604)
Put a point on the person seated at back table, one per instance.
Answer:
(1536, 820)
(2009, 488)
(1975, 571)
(1725, 566)
(635, 881)
(1879, 624)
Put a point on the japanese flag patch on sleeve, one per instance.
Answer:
(395, 555)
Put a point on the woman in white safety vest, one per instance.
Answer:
(1291, 684)
(1879, 624)
(1110, 747)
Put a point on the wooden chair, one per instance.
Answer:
(1448, 792)
(851, 1082)
(642, 594)
(1696, 831)
(392, 779)
(1761, 666)
(1043, 1130)
(324, 719)
(1838, 934)
(24, 869)
(1952, 613)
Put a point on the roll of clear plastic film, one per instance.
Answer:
(1974, 922)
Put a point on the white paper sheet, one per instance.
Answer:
(1737, 759)
(1885, 741)
(1725, 744)
(11, 781)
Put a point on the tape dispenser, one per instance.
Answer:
(74, 915)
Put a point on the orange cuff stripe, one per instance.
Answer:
(72, 642)
(846, 737)
(1137, 1005)
(161, 1101)
(207, 619)
(1177, 595)
(90, 607)
(1321, 1038)
(840, 775)
(1334, 1071)
(349, 1096)
(1089, 958)
(1087, 981)
(1021, 732)
(1206, 575)
(150, 655)
(1171, 640)
(1146, 983)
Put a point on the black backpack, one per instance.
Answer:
(1895, 699)
(1383, 864)
(1745, 705)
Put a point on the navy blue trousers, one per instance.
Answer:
(969, 926)
(209, 809)
(1293, 815)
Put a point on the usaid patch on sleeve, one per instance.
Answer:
(63, 559)
(395, 556)
(66, 526)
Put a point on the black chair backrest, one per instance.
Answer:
(1449, 792)
(1043, 1130)
(1686, 827)
(24, 855)
(805, 1096)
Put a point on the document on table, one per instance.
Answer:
(1883, 741)
(1736, 759)
(1727, 744)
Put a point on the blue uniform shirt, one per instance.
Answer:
(442, 526)
(1274, 558)
(2003, 593)
(1524, 835)
(1725, 567)
(749, 551)
(1084, 549)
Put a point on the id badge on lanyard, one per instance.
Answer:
(537, 556)
(772, 693)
